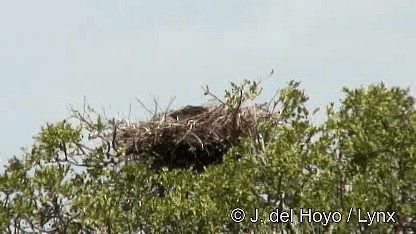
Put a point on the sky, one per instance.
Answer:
(53, 53)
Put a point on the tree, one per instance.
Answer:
(375, 131)
(77, 179)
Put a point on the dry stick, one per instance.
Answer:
(315, 111)
(82, 119)
(143, 105)
(135, 145)
(168, 107)
(207, 92)
(274, 106)
(267, 77)
(85, 103)
(234, 116)
(128, 118)
(263, 79)
(104, 113)
(184, 136)
(255, 116)
(273, 98)
(113, 141)
(153, 124)
(156, 108)
(199, 139)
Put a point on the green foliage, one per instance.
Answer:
(376, 133)
(363, 156)
(238, 94)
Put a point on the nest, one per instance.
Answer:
(190, 137)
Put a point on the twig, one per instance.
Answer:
(184, 136)
(144, 106)
(271, 73)
(273, 98)
(156, 107)
(113, 141)
(84, 106)
(168, 107)
(128, 118)
(103, 110)
(199, 139)
(207, 92)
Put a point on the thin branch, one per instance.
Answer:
(144, 106)
(113, 141)
(271, 100)
(128, 118)
(84, 106)
(168, 106)
(156, 103)
(207, 92)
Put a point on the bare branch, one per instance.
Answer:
(143, 105)
(207, 92)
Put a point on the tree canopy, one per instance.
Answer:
(360, 160)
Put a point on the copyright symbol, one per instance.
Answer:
(238, 215)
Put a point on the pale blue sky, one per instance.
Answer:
(52, 53)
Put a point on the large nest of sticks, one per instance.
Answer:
(192, 136)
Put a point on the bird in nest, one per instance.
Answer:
(187, 112)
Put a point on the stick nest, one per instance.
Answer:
(192, 136)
